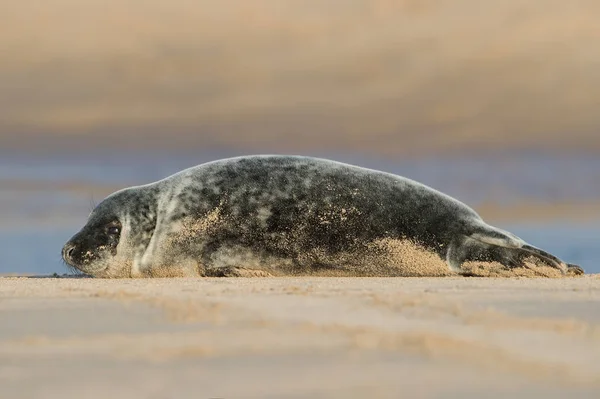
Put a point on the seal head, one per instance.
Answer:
(97, 242)
(103, 247)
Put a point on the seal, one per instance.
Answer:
(286, 215)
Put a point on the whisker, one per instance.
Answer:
(92, 204)
(71, 270)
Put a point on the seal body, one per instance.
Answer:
(283, 215)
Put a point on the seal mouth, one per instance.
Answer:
(68, 254)
(68, 262)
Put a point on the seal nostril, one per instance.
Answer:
(68, 251)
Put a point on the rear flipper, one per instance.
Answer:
(490, 243)
(546, 259)
(575, 269)
(468, 249)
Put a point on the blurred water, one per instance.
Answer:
(33, 252)
(34, 223)
(502, 179)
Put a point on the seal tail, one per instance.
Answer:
(494, 236)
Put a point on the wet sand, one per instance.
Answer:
(300, 337)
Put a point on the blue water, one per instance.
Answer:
(33, 252)
(35, 224)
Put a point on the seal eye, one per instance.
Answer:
(113, 230)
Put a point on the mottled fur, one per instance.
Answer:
(282, 215)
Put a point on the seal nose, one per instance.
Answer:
(67, 252)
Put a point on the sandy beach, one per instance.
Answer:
(300, 337)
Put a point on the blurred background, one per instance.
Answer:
(496, 103)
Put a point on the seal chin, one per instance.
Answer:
(88, 270)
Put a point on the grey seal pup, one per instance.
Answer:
(286, 215)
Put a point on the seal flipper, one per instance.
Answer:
(494, 236)
(559, 264)
(575, 269)
(458, 252)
